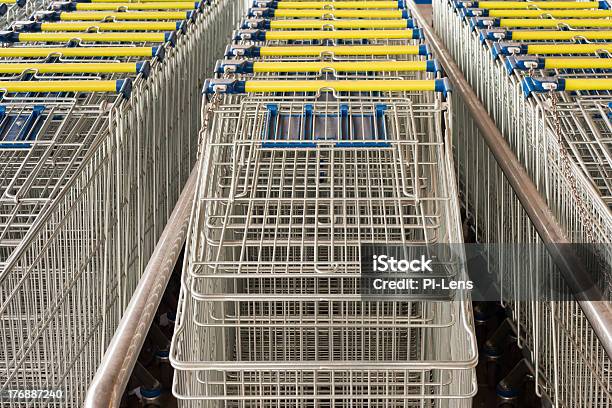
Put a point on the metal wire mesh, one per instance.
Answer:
(83, 206)
(571, 366)
(562, 142)
(292, 185)
(277, 305)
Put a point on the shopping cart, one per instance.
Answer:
(549, 108)
(98, 138)
(318, 143)
(275, 265)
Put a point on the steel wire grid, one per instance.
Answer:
(530, 127)
(285, 209)
(265, 202)
(290, 186)
(268, 214)
(64, 287)
(15, 12)
(319, 353)
(33, 173)
(571, 367)
(31, 176)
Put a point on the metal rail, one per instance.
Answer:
(598, 313)
(109, 383)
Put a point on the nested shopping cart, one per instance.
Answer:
(271, 309)
(540, 69)
(98, 121)
(35, 74)
(322, 135)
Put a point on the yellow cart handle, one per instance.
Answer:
(588, 84)
(527, 35)
(345, 35)
(130, 15)
(568, 48)
(286, 13)
(94, 37)
(134, 1)
(239, 87)
(72, 68)
(538, 4)
(337, 5)
(63, 86)
(342, 50)
(370, 66)
(550, 13)
(136, 6)
(577, 63)
(119, 26)
(337, 24)
(340, 86)
(43, 52)
(548, 23)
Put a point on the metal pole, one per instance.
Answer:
(598, 313)
(108, 385)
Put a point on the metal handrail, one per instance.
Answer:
(108, 385)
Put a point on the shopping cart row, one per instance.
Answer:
(324, 134)
(541, 70)
(98, 134)
(567, 103)
(41, 85)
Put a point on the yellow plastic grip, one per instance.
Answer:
(538, 4)
(93, 37)
(370, 66)
(118, 26)
(547, 23)
(568, 48)
(69, 68)
(137, 15)
(59, 86)
(550, 13)
(9, 1)
(340, 86)
(136, 6)
(31, 52)
(330, 14)
(337, 24)
(337, 5)
(561, 35)
(588, 84)
(307, 51)
(135, 1)
(577, 63)
(348, 34)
